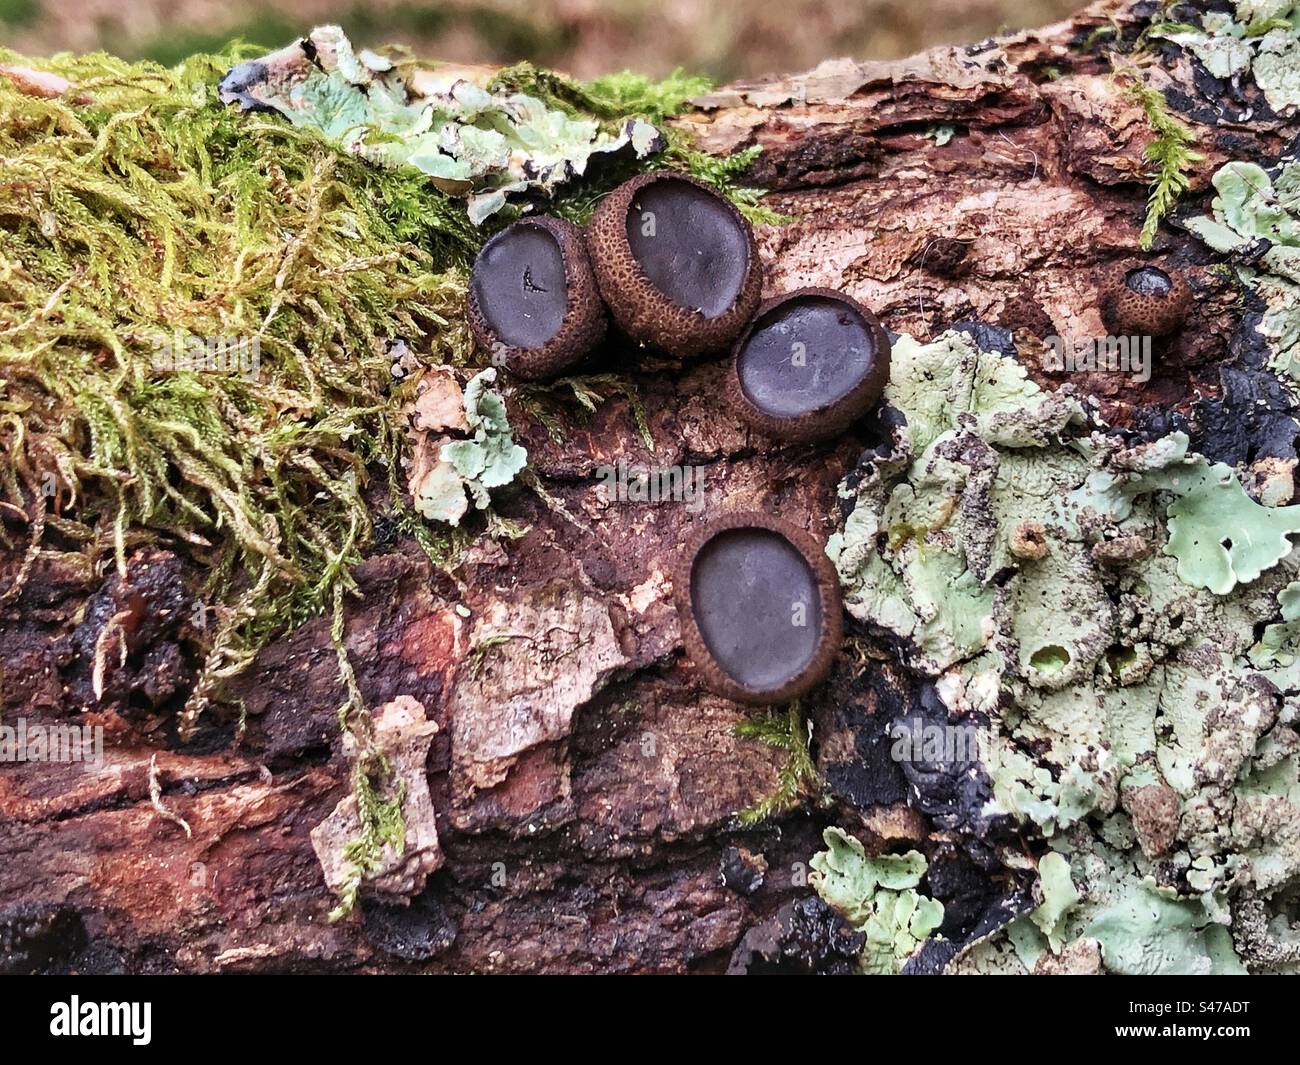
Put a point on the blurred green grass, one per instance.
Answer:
(583, 37)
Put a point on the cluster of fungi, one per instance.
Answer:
(676, 268)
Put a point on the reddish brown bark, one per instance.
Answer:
(584, 785)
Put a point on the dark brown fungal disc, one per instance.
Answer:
(676, 263)
(1144, 300)
(533, 303)
(808, 365)
(759, 604)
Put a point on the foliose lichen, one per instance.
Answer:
(490, 459)
(468, 136)
(878, 897)
(1256, 216)
(1259, 37)
(1130, 719)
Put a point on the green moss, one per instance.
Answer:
(545, 402)
(192, 220)
(612, 97)
(786, 732)
(140, 215)
(153, 215)
(1171, 154)
(381, 826)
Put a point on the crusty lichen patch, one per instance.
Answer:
(1130, 717)
(1258, 38)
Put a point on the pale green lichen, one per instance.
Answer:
(491, 459)
(878, 897)
(1218, 534)
(1123, 658)
(1250, 207)
(921, 587)
(1059, 897)
(1220, 43)
(1148, 931)
(941, 133)
(1263, 40)
(472, 140)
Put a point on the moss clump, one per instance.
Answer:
(142, 215)
(143, 218)
(798, 776)
(381, 825)
(611, 97)
(588, 391)
(1170, 153)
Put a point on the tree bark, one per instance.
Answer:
(584, 786)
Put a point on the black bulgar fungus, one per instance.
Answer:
(533, 303)
(1144, 300)
(965, 890)
(808, 365)
(855, 756)
(998, 339)
(676, 263)
(759, 604)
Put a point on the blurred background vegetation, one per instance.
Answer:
(725, 39)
